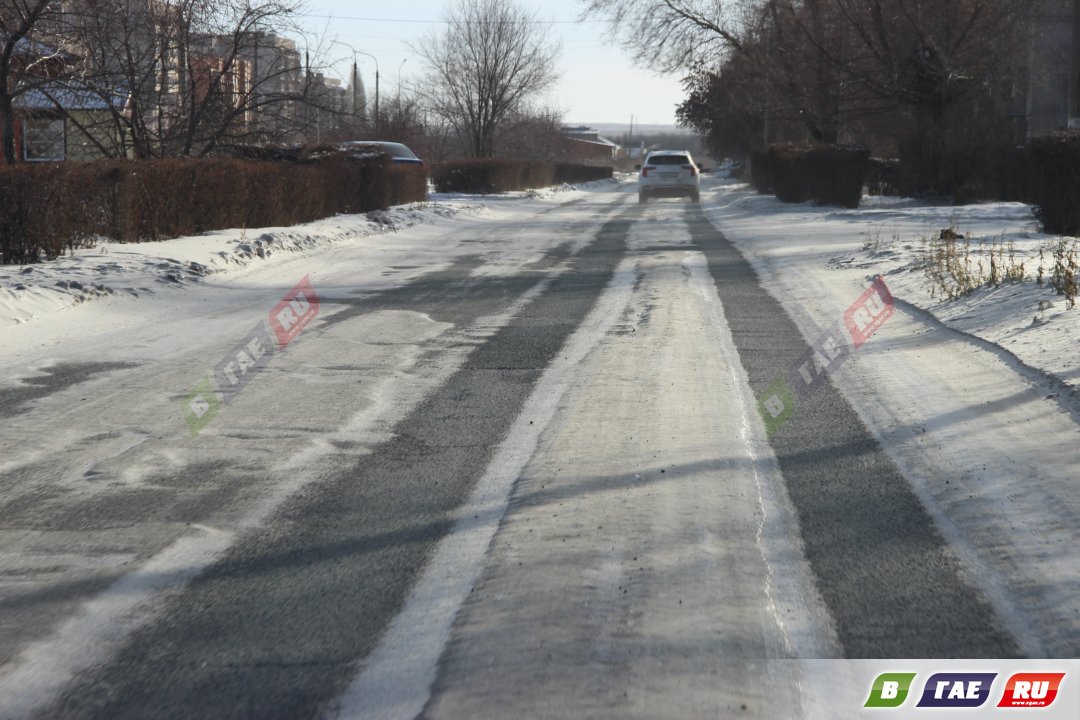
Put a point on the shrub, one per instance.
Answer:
(883, 176)
(45, 209)
(761, 175)
(406, 183)
(838, 173)
(1014, 179)
(826, 174)
(43, 212)
(791, 173)
(1055, 161)
(491, 176)
(571, 173)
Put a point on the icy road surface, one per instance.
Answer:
(513, 465)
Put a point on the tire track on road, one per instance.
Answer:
(892, 584)
(275, 628)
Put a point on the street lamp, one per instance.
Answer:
(354, 82)
(356, 52)
(399, 78)
(361, 52)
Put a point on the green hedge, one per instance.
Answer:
(45, 209)
(480, 177)
(1055, 189)
(826, 174)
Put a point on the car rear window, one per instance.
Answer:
(399, 150)
(669, 160)
(395, 150)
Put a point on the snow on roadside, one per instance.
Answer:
(990, 449)
(892, 236)
(29, 292)
(132, 270)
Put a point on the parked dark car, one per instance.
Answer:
(398, 153)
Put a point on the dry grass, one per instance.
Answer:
(956, 267)
(1063, 277)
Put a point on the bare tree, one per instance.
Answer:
(914, 72)
(492, 58)
(930, 73)
(533, 134)
(26, 62)
(674, 35)
(189, 77)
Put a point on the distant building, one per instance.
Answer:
(584, 145)
(62, 121)
(56, 117)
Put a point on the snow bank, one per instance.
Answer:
(892, 236)
(136, 269)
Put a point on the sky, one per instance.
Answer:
(598, 84)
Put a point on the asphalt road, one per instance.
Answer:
(279, 624)
(890, 582)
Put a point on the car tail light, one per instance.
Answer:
(691, 168)
(645, 171)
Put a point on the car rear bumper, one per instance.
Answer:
(667, 190)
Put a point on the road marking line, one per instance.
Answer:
(89, 637)
(396, 678)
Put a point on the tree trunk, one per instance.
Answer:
(7, 128)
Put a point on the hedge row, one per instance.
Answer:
(571, 173)
(761, 171)
(826, 174)
(1045, 174)
(1055, 181)
(883, 176)
(504, 175)
(45, 209)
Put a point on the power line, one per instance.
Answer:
(415, 21)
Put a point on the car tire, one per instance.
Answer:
(642, 198)
(696, 197)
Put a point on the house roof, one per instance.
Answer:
(68, 95)
(27, 47)
(603, 142)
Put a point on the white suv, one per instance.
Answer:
(669, 173)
